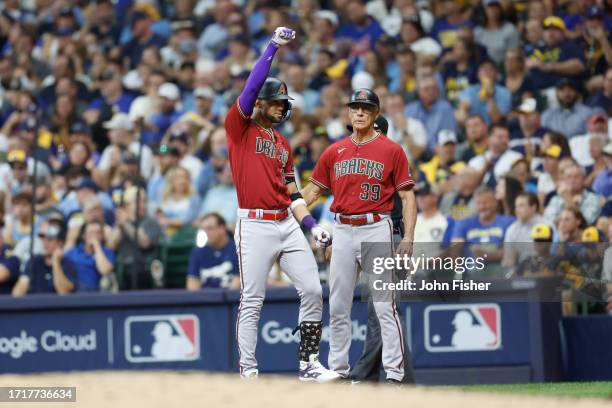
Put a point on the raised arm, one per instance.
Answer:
(247, 98)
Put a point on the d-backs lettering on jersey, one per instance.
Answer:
(363, 176)
(260, 161)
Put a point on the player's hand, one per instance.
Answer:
(283, 35)
(323, 239)
(404, 248)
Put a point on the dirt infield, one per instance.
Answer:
(172, 389)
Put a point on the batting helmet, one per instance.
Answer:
(274, 89)
(365, 96)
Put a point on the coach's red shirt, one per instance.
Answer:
(363, 176)
(260, 162)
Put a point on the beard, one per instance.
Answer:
(273, 119)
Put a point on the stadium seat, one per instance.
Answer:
(175, 256)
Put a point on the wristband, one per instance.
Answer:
(309, 222)
(297, 202)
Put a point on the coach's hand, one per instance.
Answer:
(323, 239)
(404, 248)
(283, 35)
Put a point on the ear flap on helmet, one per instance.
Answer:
(288, 108)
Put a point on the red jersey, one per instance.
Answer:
(363, 176)
(260, 160)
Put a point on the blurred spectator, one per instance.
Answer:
(519, 233)
(362, 29)
(540, 262)
(572, 193)
(445, 29)
(9, 268)
(602, 184)
(476, 143)
(431, 225)
(596, 40)
(431, 109)
(121, 135)
(558, 59)
(142, 37)
(515, 77)
(167, 113)
(179, 203)
(92, 258)
(167, 158)
(215, 263)
(134, 252)
(215, 35)
(484, 233)
(459, 70)
(498, 158)
(487, 98)
(497, 34)
(442, 166)
(222, 198)
(51, 272)
(597, 131)
(520, 171)
(506, 191)
(19, 225)
(570, 224)
(181, 141)
(603, 98)
(528, 134)
(459, 203)
(571, 116)
(92, 212)
(408, 132)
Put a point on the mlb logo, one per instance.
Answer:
(465, 327)
(162, 338)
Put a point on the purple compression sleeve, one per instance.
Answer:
(309, 222)
(256, 79)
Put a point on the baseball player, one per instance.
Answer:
(270, 212)
(363, 172)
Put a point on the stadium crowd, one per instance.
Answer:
(112, 112)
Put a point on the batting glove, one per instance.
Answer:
(323, 239)
(282, 35)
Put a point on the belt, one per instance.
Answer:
(268, 215)
(361, 219)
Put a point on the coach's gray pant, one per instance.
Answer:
(344, 273)
(259, 244)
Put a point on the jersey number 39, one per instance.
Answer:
(370, 192)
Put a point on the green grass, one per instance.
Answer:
(597, 389)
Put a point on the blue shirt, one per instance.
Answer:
(88, 274)
(571, 122)
(214, 267)
(11, 263)
(162, 121)
(472, 231)
(355, 33)
(41, 279)
(440, 116)
(503, 99)
(603, 183)
(122, 104)
(566, 51)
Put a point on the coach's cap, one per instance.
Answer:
(554, 22)
(364, 96)
(446, 136)
(553, 151)
(329, 16)
(529, 105)
(119, 120)
(541, 232)
(169, 90)
(591, 234)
